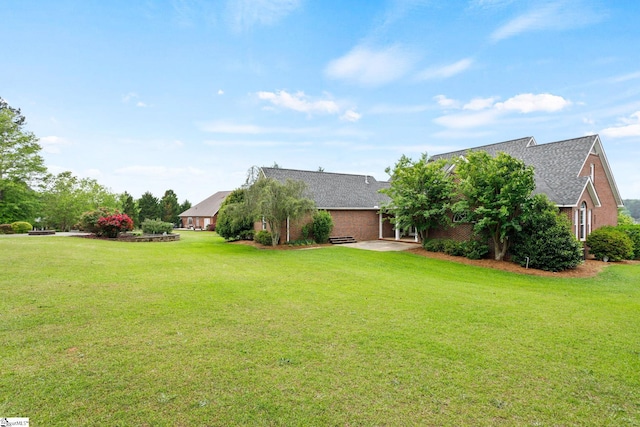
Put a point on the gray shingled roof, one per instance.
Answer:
(335, 190)
(208, 207)
(556, 164)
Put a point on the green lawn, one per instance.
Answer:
(201, 332)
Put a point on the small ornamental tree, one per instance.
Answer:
(421, 192)
(494, 191)
(112, 225)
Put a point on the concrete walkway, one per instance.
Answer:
(382, 245)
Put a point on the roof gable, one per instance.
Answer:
(208, 207)
(335, 190)
(557, 165)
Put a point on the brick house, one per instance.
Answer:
(352, 200)
(573, 173)
(205, 213)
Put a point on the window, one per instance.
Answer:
(593, 173)
(264, 223)
(461, 217)
(583, 221)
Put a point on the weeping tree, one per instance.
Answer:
(493, 192)
(420, 193)
(276, 201)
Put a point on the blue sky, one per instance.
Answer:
(189, 94)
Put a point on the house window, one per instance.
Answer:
(593, 173)
(583, 221)
(264, 223)
(461, 217)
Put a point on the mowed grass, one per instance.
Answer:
(202, 332)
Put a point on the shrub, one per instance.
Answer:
(545, 241)
(112, 225)
(156, 226)
(322, 226)
(633, 231)
(434, 245)
(607, 242)
(6, 229)
(89, 220)
(21, 227)
(211, 227)
(307, 231)
(246, 235)
(475, 249)
(263, 237)
(453, 247)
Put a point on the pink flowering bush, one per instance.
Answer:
(112, 225)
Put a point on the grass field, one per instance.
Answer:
(201, 332)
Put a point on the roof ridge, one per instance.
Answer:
(318, 172)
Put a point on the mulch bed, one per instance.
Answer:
(589, 268)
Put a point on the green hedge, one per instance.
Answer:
(610, 243)
(21, 227)
(263, 237)
(156, 226)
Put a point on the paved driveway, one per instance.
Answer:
(382, 245)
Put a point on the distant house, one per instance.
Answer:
(205, 213)
(353, 201)
(574, 174)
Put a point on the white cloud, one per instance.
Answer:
(299, 102)
(52, 144)
(245, 14)
(445, 102)
(128, 97)
(141, 104)
(220, 92)
(370, 67)
(628, 127)
(528, 102)
(477, 104)
(350, 116)
(485, 111)
(553, 15)
(446, 71)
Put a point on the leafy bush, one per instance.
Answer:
(89, 220)
(21, 227)
(545, 241)
(454, 248)
(246, 235)
(307, 231)
(633, 231)
(434, 245)
(263, 237)
(211, 227)
(475, 249)
(156, 226)
(322, 226)
(232, 222)
(6, 229)
(610, 243)
(112, 225)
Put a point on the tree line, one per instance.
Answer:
(29, 193)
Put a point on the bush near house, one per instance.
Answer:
(263, 237)
(322, 226)
(472, 249)
(545, 241)
(610, 243)
(6, 229)
(21, 227)
(633, 231)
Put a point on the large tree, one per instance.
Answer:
(420, 193)
(276, 202)
(66, 197)
(170, 207)
(128, 206)
(21, 166)
(493, 192)
(234, 220)
(149, 207)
